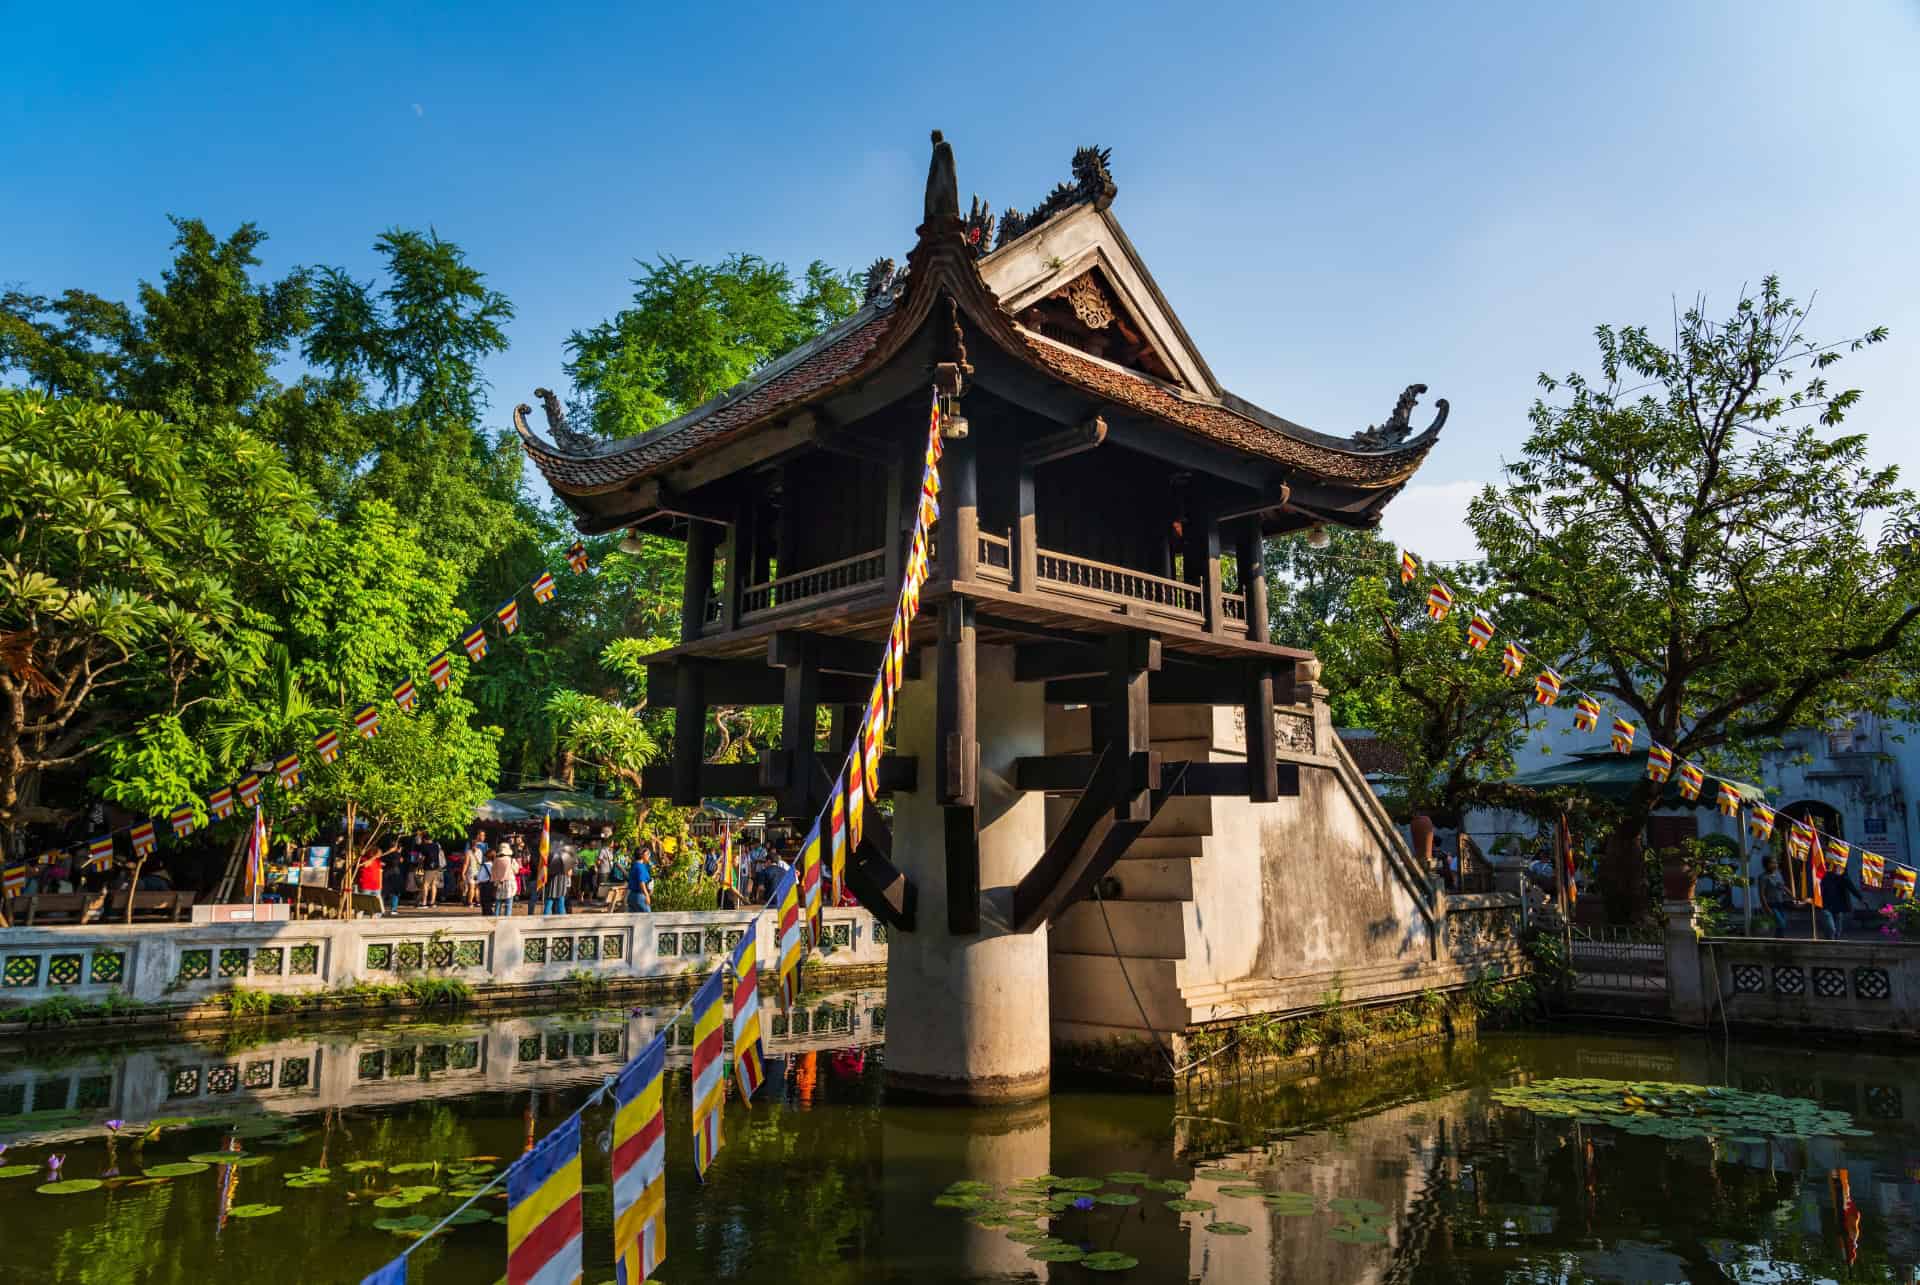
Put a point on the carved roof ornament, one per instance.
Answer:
(943, 188)
(979, 227)
(563, 436)
(1399, 425)
(881, 275)
(1089, 302)
(1092, 184)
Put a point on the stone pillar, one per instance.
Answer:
(967, 1014)
(1689, 997)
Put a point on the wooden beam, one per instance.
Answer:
(897, 520)
(1254, 509)
(961, 835)
(1123, 721)
(1039, 662)
(956, 704)
(834, 654)
(1058, 446)
(1082, 841)
(1069, 773)
(701, 538)
(876, 882)
(732, 577)
(1181, 685)
(1176, 778)
(749, 780)
(747, 682)
(654, 494)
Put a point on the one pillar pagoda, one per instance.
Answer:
(1099, 552)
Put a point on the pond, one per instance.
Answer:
(306, 1155)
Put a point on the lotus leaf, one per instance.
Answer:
(178, 1170)
(1057, 1253)
(1173, 1186)
(1031, 1236)
(414, 1223)
(1108, 1260)
(1228, 1229)
(17, 1171)
(413, 1166)
(70, 1187)
(957, 1202)
(1189, 1206)
(1078, 1184)
(398, 1200)
(217, 1157)
(1356, 1235)
(465, 1216)
(1356, 1205)
(1252, 1192)
(1128, 1177)
(253, 1211)
(361, 1166)
(1117, 1198)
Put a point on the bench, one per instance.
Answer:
(162, 907)
(55, 907)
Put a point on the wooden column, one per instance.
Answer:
(792, 769)
(1252, 553)
(1026, 568)
(735, 550)
(701, 537)
(956, 738)
(1263, 751)
(959, 510)
(1201, 555)
(783, 524)
(1124, 718)
(689, 731)
(898, 522)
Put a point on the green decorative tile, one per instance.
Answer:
(469, 952)
(587, 950)
(879, 933)
(879, 1019)
(304, 961)
(607, 1039)
(557, 1046)
(295, 1072)
(21, 970)
(779, 1024)
(715, 942)
(733, 938)
(433, 1057)
(233, 961)
(373, 1064)
(64, 970)
(560, 950)
(184, 1083)
(196, 965)
(464, 1056)
(843, 934)
(379, 955)
(583, 1043)
(533, 949)
(689, 943)
(408, 955)
(667, 944)
(258, 1075)
(613, 946)
(93, 1092)
(529, 1048)
(402, 1062)
(440, 953)
(108, 967)
(269, 961)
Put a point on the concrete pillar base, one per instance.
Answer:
(977, 1091)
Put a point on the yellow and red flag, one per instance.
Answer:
(142, 836)
(749, 1055)
(1873, 868)
(1691, 779)
(508, 614)
(327, 746)
(1513, 658)
(1659, 762)
(405, 695)
(1623, 732)
(366, 721)
(1546, 687)
(1479, 631)
(248, 789)
(288, 771)
(543, 1210)
(810, 881)
(709, 1083)
(475, 641)
(1900, 883)
(640, 1165)
(1760, 822)
(182, 820)
(543, 588)
(1409, 566)
(220, 803)
(440, 670)
(790, 933)
(577, 557)
(1586, 713)
(1727, 800)
(1439, 601)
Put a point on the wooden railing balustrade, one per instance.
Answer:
(1104, 583)
(995, 559)
(829, 580)
(1234, 607)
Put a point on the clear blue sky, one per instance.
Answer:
(1338, 200)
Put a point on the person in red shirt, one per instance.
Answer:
(367, 877)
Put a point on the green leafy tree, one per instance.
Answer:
(75, 345)
(126, 548)
(1689, 522)
(693, 331)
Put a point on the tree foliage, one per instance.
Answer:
(1689, 522)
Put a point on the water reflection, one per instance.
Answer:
(1402, 1170)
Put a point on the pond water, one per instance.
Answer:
(1408, 1168)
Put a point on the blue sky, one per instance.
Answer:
(1338, 200)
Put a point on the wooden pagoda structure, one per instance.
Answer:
(1103, 509)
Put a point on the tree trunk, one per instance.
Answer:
(1623, 872)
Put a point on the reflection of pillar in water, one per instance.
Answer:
(926, 1150)
(806, 1070)
(532, 1116)
(229, 1183)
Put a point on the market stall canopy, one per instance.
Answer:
(1616, 776)
(560, 804)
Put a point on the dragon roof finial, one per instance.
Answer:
(1399, 425)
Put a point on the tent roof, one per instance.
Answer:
(1616, 776)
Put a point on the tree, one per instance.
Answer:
(1688, 524)
(695, 330)
(73, 346)
(126, 548)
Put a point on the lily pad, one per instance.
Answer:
(1189, 1206)
(1116, 1198)
(217, 1157)
(1356, 1235)
(398, 1200)
(69, 1187)
(414, 1223)
(466, 1216)
(1127, 1177)
(361, 1166)
(253, 1211)
(1228, 1229)
(17, 1171)
(1108, 1260)
(1173, 1186)
(1057, 1253)
(968, 1187)
(1222, 1175)
(1252, 1193)
(958, 1202)
(178, 1170)
(1078, 1184)
(1355, 1205)
(413, 1166)
(1031, 1236)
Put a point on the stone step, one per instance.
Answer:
(1144, 877)
(1091, 988)
(1144, 929)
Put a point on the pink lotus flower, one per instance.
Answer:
(54, 1162)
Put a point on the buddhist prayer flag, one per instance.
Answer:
(856, 816)
(1479, 632)
(1799, 838)
(543, 588)
(1659, 762)
(13, 880)
(257, 852)
(1816, 865)
(142, 836)
(248, 789)
(100, 851)
(508, 614)
(810, 877)
(1901, 883)
(1838, 854)
(789, 932)
(476, 644)
(1546, 688)
(1760, 822)
(543, 1210)
(220, 803)
(1691, 779)
(749, 1055)
(1513, 658)
(182, 819)
(1409, 566)
(288, 770)
(327, 746)
(1586, 713)
(404, 696)
(1439, 601)
(577, 557)
(440, 670)
(876, 737)
(394, 1273)
(709, 1085)
(640, 1165)
(1873, 867)
(366, 721)
(1623, 735)
(1727, 800)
